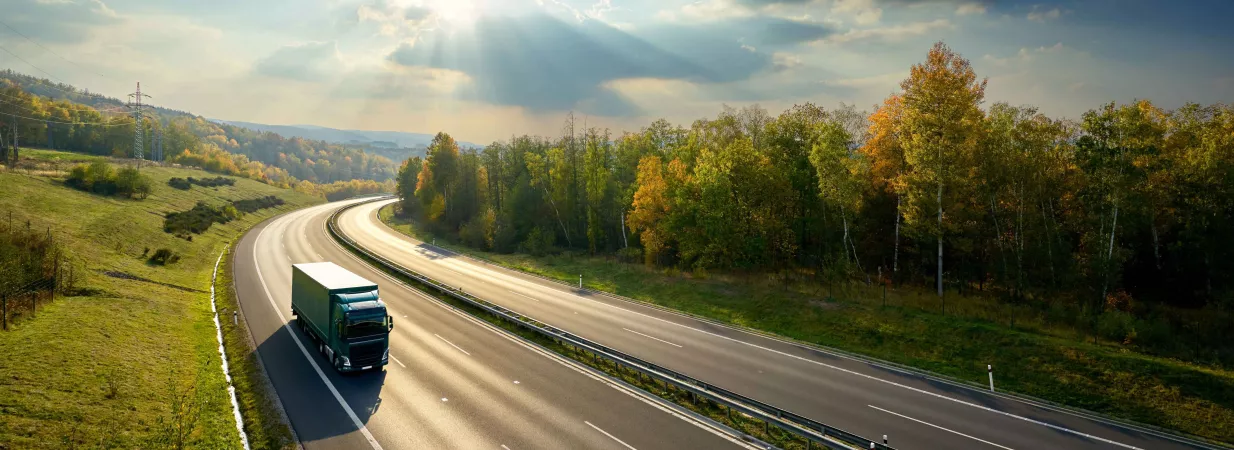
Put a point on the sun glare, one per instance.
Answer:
(454, 13)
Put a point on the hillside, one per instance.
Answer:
(57, 116)
(145, 329)
(397, 138)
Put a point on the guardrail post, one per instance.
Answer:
(5, 299)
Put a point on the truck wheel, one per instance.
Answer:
(337, 364)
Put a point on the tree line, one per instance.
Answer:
(932, 187)
(64, 118)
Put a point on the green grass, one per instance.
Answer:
(1036, 355)
(263, 420)
(99, 368)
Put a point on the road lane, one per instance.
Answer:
(435, 396)
(824, 386)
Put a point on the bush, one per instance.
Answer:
(131, 183)
(199, 219)
(100, 178)
(180, 183)
(164, 257)
(539, 241)
(252, 205)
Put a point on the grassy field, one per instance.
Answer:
(1037, 355)
(110, 364)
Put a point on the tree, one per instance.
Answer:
(408, 177)
(885, 154)
(841, 175)
(941, 128)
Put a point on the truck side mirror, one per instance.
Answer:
(390, 320)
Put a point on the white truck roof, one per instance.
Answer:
(332, 277)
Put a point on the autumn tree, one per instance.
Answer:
(941, 126)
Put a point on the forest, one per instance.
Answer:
(38, 113)
(1125, 209)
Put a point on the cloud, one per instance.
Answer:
(311, 61)
(543, 64)
(889, 81)
(58, 21)
(970, 9)
(1042, 16)
(890, 33)
(707, 10)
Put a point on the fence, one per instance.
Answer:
(812, 431)
(30, 275)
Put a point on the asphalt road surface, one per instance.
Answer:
(452, 381)
(913, 411)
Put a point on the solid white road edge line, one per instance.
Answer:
(652, 337)
(871, 377)
(567, 363)
(619, 441)
(941, 428)
(451, 344)
(397, 361)
(287, 326)
(218, 330)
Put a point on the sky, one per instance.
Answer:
(484, 70)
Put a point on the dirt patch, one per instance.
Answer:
(826, 305)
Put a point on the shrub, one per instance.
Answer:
(539, 241)
(132, 183)
(252, 205)
(180, 183)
(199, 219)
(164, 257)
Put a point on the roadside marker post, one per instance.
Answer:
(990, 369)
(580, 281)
(235, 319)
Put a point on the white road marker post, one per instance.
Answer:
(990, 369)
(580, 281)
(235, 319)
(884, 439)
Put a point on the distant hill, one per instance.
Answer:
(374, 138)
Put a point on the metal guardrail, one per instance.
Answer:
(813, 431)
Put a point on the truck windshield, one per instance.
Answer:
(365, 326)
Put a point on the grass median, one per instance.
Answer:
(129, 358)
(1036, 355)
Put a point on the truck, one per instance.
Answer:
(343, 314)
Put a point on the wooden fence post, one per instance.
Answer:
(4, 298)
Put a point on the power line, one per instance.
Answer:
(74, 106)
(10, 27)
(46, 73)
(98, 124)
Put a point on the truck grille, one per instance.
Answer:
(367, 353)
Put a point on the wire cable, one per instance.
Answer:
(46, 73)
(32, 41)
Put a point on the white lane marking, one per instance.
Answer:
(567, 363)
(455, 271)
(609, 435)
(871, 377)
(525, 295)
(445, 399)
(504, 446)
(452, 344)
(652, 337)
(941, 428)
(287, 326)
(397, 361)
(515, 381)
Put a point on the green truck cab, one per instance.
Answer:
(343, 314)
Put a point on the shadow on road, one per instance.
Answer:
(315, 414)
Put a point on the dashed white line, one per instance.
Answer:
(451, 344)
(619, 441)
(504, 446)
(455, 271)
(337, 396)
(397, 361)
(941, 428)
(652, 337)
(525, 295)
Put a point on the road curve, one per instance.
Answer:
(453, 381)
(913, 411)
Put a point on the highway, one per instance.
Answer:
(453, 381)
(915, 412)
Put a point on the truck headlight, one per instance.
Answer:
(386, 354)
(346, 362)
